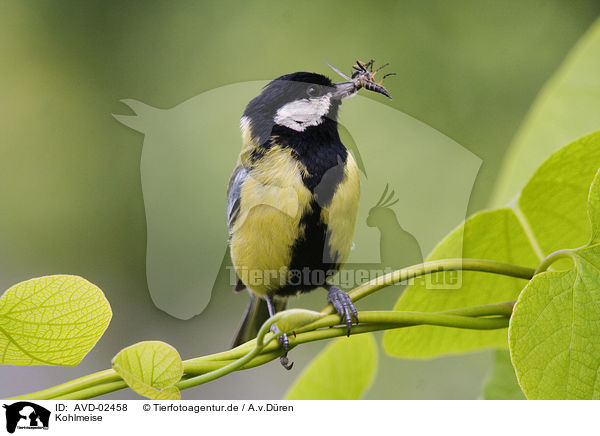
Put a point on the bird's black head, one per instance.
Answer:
(295, 102)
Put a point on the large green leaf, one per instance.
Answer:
(548, 215)
(554, 202)
(502, 383)
(566, 109)
(344, 370)
(555, 332)
(481, 240)
(151, 369)
(53, 320)
(555, 328)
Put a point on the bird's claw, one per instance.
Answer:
(284, 343)
(285, 362)
(342, 303)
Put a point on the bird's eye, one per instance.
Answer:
(313, 91)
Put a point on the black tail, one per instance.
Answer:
(255, 315)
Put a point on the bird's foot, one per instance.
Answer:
(284, 343)
(343, 305)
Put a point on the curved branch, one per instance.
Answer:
(207, 368)
(434, 266)
(204, 369)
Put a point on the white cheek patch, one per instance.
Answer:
(300, 114)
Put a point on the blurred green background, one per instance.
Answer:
(71, 195)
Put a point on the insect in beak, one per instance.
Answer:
(363, 76)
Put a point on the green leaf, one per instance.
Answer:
(53, 320)
(554, 332)
(502, 383)
(566, 109)
(554, 202)
(548, 215)
(480, 241)
(151, 369)
(344, 370)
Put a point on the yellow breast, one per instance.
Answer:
(273, 200)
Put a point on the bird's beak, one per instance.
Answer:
(344, 89)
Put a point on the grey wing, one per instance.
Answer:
(233, 194)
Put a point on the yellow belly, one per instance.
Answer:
(273, 201)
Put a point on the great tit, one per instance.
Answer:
(293, 197)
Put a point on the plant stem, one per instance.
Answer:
(553, 257)
(207, 368)
(92, 391)
(106, 376)
(114, 382)
(370, 321)
(237, 364)
(378, 320)
(404, 274)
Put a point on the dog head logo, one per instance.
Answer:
(24, 414)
